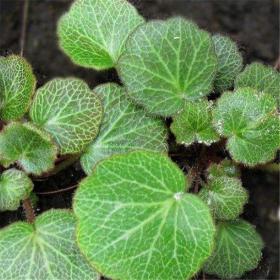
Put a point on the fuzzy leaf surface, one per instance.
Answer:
(69, 111)
(224, 168)
(43, 250)
(136, 222)
(237, 250)
(194, 124)
(229, 62)
(93, 33)
(17, 85)
(28, 146)
(166, 63)
(15, 186)
(261, 78)
(125, 127)
(250, 121)
(225, 197)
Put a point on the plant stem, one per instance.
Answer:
(57, 191)
(23, 25)
(28, 210)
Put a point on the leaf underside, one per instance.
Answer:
(93, 33)
(194, 124)
(69, 111)
(125, 127)
(45, 250)
(225, 197)
(229, 62)
(136, 222)
(166, 63)
(17, 85)
(15, 186)
(237, 250)
(28, 146)
(250, 121)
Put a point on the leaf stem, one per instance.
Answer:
(28, 210)
(23, 25)
(58, 191)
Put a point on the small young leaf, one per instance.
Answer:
(44, 250)
(225, 196)
(166, 63)
(17, 84)
(136, 222)
(250, 121)
(124, 128)
(15, 186)
(261, 78)
(25, 144)
(237, 250)
(194, 124)
(93, 33)
(69, 111)
(224, 168)
(229, 62)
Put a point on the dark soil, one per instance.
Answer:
(252, 24)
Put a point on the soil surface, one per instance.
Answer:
(252, 24)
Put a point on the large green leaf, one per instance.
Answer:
(250, 121)
(124, 128)
(166, 63)
(136, 222)
(15, 186)
(44, 250)
(31, 148)
(237, 250)
(225, 196)
(17, 84)
(261, 78)
(69, 111)
(229, 62)
(194, 124)
(93, 33)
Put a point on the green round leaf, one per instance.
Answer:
(136, 222)
(17, 85)
(225, 197)
(45, 250)
(261, 78)
(229, 62)
(166, 63)
(93, 33)
(124, 128)
(15, 186)
(194, 124)
(250, 121)
(69, 111)
(25, 144)
(224, 168)
(237, 250)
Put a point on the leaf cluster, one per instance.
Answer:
(135, 216)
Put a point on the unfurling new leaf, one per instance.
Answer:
(194, 124)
